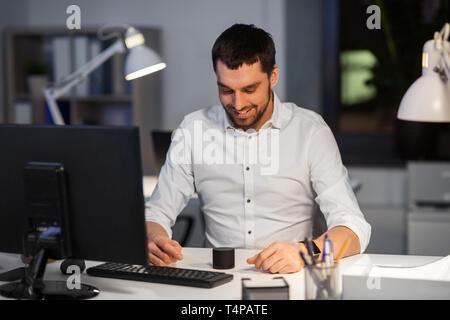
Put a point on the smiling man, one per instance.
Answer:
(246, 92)
(243, 205)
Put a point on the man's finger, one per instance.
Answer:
(168, 248)
(286, 269)
(173, 251)
(178, 247)
(156, 261)
(251, 260)
(176, 244)
(270, 261)
(263, 255)
(277, 266)
(154, 249)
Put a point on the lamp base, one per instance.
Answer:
(51, 290)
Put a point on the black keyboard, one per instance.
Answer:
(167, 275)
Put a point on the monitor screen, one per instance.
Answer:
(103, 176)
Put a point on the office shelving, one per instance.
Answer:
(104, 98)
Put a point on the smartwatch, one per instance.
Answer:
(315, 249)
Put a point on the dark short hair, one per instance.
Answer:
(244, 43)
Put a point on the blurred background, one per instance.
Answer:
(330, 62)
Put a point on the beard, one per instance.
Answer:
(260, 110)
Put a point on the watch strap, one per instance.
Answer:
(315, 249)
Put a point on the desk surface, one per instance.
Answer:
(434, 270)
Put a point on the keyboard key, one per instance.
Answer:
(166, 275)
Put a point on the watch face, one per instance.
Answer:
(315, 248)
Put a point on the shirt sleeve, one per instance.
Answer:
(330, 181)
(175, 183)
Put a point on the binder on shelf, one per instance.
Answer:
(80, 59)
(118, 78)
(22, 112)
(107, 75)
(61, 59)
(117, 114)
(47, 47)
(95, 78)
(128, 87)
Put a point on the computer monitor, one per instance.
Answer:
(103, 179)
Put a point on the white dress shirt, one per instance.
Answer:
(256, 188)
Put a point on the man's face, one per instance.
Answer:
(246, 94)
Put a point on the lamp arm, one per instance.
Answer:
(59, 89)
(445, 60)
(441, 40)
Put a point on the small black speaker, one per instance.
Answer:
(223, 258)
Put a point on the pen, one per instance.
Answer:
(306, 260)
(308, 247)
(330, 255)
(342, 251)
(324, 249)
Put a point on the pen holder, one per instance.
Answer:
(323, 283)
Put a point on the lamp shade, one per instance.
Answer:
(141, 61)
(427, 100)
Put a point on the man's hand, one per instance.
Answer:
(279, 257)
(163, 251)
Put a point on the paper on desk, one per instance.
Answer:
(436, 270)
(264, 283)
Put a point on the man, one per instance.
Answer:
(268, 203)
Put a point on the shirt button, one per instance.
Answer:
(249, 137)
(248, 200)
(248, 168)
(249, 231)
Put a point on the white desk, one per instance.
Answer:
(394, 283)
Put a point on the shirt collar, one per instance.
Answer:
(275, 121)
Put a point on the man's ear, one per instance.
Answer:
(274, 76)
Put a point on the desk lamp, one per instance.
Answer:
(140, 61)
(428, 98)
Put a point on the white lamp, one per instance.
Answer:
(428, 98)
(140, 61)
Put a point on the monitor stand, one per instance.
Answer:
(32, 285)
(13, 275)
